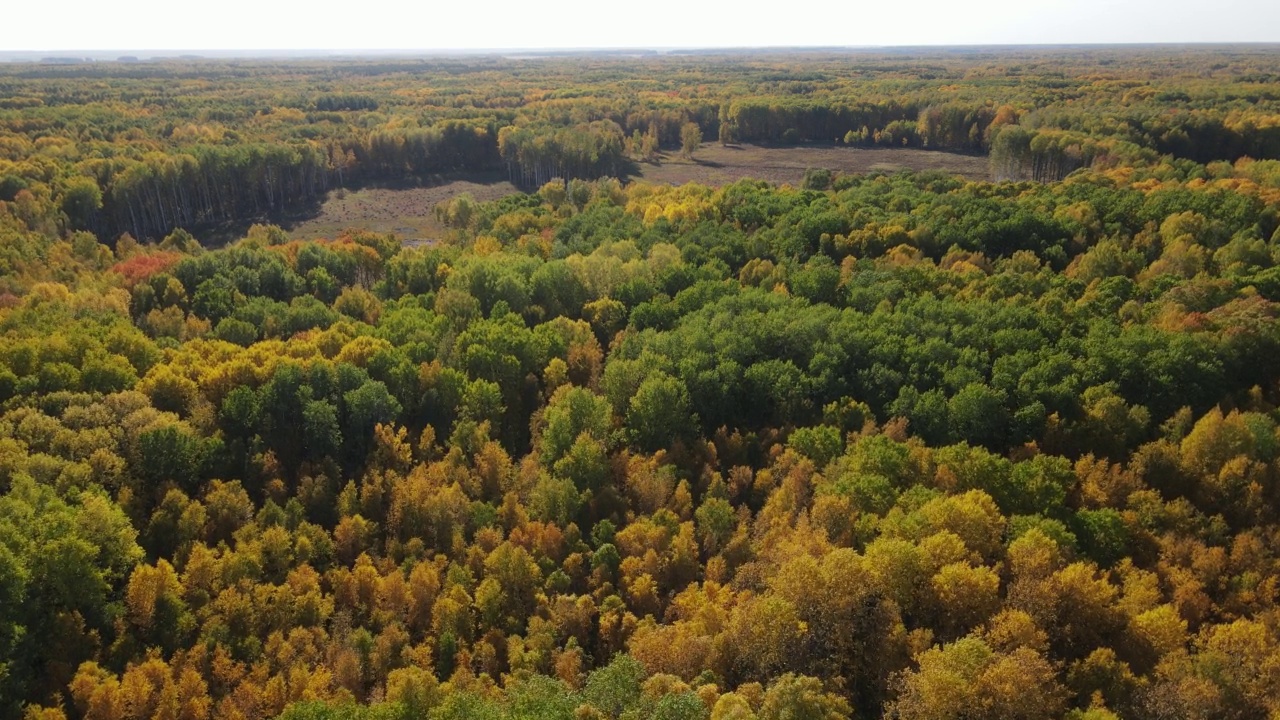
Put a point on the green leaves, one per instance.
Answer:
(173, 454)
(57, 556)
(659, 413)
(571, 412)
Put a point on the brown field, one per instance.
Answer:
(714, 164)
(408, 212)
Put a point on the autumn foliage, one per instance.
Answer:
(895, 445)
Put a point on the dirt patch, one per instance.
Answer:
(407, 212)
(715, 164)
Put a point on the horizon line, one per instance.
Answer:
(194, 53)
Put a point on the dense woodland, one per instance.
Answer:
(893, 445)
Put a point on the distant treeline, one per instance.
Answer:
(187, 143)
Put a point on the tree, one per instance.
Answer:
(690, 139)
(614, 688)
(321, 436)
(571, 412)
(81, 202)
(798, 697)
(58, 560)
(659, 413)
(968, 678)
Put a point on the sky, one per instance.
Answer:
(500, 24)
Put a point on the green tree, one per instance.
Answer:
(59, 558)
(571, 412)
(690, 139)
(659, 413)
(798, 697)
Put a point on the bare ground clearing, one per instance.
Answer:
(714, 164)
(407, 212)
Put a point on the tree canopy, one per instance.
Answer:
(886, 445)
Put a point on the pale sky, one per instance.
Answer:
(472, 24)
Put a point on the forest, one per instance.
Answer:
(887, 445)
(182, 144)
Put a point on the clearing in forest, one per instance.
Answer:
(408, 211)
(714, 164)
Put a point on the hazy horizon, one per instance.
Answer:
(214, 53)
